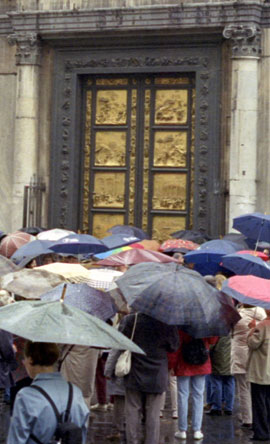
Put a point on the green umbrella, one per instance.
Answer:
(57, 322)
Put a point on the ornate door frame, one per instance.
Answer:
(201, 59)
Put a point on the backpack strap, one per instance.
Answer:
(57, 414)
(69, 403)
(45, 394)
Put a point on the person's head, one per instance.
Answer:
(5, 298)
(179, 257)
(40, 357)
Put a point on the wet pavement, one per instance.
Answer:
(216, 429)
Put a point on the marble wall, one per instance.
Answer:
(8, 80)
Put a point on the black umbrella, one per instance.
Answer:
(195, 236)
(128, 230)
(236, 238)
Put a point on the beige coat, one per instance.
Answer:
(259, 360)
(79, 367)
(239, 347)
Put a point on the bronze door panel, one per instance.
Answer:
(138, 154)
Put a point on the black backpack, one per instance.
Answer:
(66, 432)
(194, 352)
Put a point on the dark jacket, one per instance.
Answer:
(149, 374)
(221, 356)
(7, 359)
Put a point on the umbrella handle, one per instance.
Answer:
(63, 293)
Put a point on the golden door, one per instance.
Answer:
(138, 154)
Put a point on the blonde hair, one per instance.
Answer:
(220, 278)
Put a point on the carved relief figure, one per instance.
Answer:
(111, 107)
(171, 106)
(170, 149)
(109, 190)
(110, 148)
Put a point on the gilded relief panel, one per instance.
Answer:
(171, 106)
(163, 226)
(103, 221)
(170, 149)
(171, 81)
(109, 190)
(111, 107)
(111, 82)
(169, 191)
(110, 148)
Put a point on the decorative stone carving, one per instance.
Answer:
(28, 48)
(246, 40)
(73, 64)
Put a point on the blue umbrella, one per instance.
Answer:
(128, 230)
(176, 295)
(245, 264)
(79, 244)
(119, 240)
(94, 302)
(207, 257)
(31, 250)
(254, 225)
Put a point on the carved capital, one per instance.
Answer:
(28, 48)
(245, 39)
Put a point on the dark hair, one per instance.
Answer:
(41, 353)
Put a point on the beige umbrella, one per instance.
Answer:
(73, 273)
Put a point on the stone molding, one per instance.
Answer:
(245, 40)
(186, 16)
(28, 47)
(72, 65)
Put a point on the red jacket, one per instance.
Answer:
(182, 368)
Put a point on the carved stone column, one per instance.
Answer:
(26, 122)
(246, 49)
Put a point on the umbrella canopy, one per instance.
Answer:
(95, 302)
(251, 290)
(176, 244)
(103, 278)
(32, 230)
(54, 235)
(194, 236)
(254, 225)
(13, 241)
(135, 256)
(118, 240)
(58, 322)
(31, 250)
(128, 230)
(79, 244)
(2, 235)
(237, 238)
(259, 254)
(176, 295)
(74, 273)
(245, 264)
(30, 283)
(7, 266)
(118, 250)
(207, 257)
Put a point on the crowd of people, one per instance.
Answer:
(73, 376)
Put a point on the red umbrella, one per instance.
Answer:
(171, 244)
(13, 241)
(135, 256)
(260, 254)
(251, 290)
